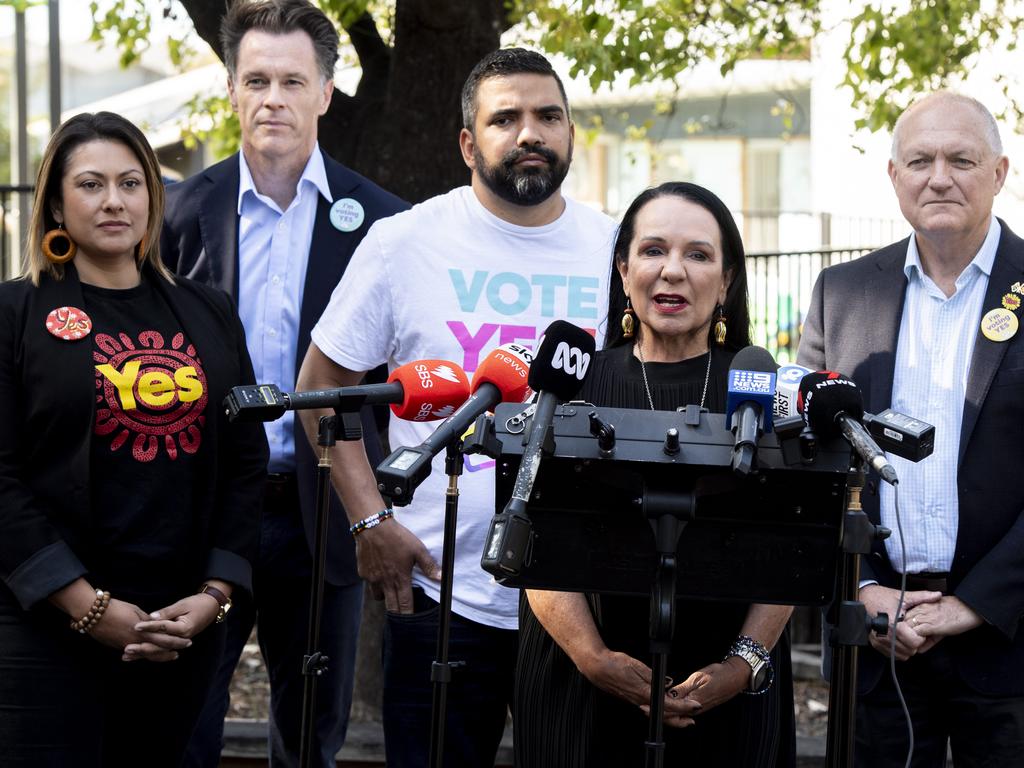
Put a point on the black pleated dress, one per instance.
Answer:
(562, 721)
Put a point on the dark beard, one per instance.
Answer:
(527, 186)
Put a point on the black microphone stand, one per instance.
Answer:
(849, 623)
(314, 662)
(441, 668)
(668, 514)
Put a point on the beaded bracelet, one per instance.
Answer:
(92, 618)
(372, 521)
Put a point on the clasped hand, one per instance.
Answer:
(928, 617)
(157, 636)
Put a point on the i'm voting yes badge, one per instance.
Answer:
(347, 214)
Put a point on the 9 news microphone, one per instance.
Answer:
(424, 390)
(832, 404)
(749, 403)
(503, 375)
(558, 370)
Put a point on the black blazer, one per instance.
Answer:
(200, 240)
(47, 411)
(852, 327)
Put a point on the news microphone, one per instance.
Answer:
(502, 375)
(787, 391)
(424, 390)
(558, 371)
(831, 404)
(749, 403)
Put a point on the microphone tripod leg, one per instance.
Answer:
(315, 662)
(441, 669)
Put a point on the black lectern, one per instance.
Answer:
(641, 502)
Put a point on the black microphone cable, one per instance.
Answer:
(899, 618)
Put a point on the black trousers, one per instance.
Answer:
(282, 577)
(982, 731)
(66, 700)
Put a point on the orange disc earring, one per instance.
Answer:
(57, 235)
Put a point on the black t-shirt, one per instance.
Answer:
(150, 417)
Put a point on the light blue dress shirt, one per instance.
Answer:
(933, 358)
(273, 249)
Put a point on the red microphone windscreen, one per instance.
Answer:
(433, 389)
(507, 368)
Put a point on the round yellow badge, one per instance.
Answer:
(999, 325)
(1011, 302)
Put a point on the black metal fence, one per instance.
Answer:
(780, 287)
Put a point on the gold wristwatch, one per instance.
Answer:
(222, 600)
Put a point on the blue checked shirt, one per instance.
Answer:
(933, 357)
(273, 249)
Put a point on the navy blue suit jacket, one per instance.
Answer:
(853, 327)
(200, 240)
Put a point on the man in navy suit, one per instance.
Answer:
(275, 226)
(929, 326)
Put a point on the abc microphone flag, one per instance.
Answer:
(558, 371)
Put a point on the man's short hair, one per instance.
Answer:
(991, 127)
(502, 63)
(279, 17)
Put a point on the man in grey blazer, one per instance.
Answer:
(928, 326)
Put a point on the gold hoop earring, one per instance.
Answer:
(628, 327)
(58, 234)
(721, 329)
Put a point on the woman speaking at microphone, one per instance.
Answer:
(677, 315)
(128, 504)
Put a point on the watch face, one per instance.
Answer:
(759, 676)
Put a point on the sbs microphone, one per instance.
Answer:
(502, 375)
(558, 370)
(749, 403)
(831, 404)
(424, 390)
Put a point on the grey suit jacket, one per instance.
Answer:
(853, 327)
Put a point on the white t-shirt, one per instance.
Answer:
(450, 280)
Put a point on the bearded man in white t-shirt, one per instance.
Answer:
(483, 265)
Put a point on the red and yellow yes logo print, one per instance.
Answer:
(149, 395)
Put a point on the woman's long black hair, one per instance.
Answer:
(735, 306)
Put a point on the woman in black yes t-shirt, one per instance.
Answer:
(128, 504)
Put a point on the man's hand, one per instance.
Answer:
(630, 679)
(170, 629)
(386, 555)
(878, 599)
(948, 616)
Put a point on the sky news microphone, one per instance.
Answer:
(832, 404)
(558, 371)
(749, 404)
(424, 390)
(503, 375)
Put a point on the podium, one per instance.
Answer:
(646, 503)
